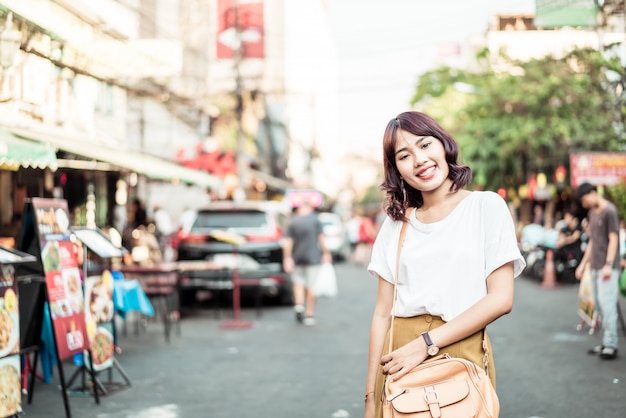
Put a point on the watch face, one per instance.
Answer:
(432, 350)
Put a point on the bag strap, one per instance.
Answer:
(405, 225)
(403, 230)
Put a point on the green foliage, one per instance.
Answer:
(525, 117)
(372, 198)
(617, 195)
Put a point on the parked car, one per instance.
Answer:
(336, 235)
(259, 225)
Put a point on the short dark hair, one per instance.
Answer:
(584, 189)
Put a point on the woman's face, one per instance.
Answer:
(421, 161)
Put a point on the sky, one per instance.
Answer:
(384, 45)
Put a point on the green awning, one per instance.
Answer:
(16, 152)
(148, 165)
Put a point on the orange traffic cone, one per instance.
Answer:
(549, 272)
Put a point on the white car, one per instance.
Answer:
(335, 235)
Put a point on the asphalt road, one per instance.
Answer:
(279, 369)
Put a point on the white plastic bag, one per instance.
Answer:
(326, 283)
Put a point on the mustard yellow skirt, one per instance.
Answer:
(406, 330)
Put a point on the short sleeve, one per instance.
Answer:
(501, 244)
(381, 251)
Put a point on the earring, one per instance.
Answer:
(403, 193)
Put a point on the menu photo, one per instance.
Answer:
(101, 344)
(99, 314)
(9, 313)
(10, 386)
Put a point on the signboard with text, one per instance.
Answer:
(240, 25)
(599, 168)
(63, 281)
(559, 13)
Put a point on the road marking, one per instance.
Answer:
(164, 411)
(568, 337)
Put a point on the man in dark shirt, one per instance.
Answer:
(304, 251)
(568, 243)
(602, 255)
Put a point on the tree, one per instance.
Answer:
(525, 117)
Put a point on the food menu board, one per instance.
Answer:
(97, 242)
(63, 281)
(99, 313)
(10, 384)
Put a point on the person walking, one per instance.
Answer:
(602, 257)
(458, 262)
(304, 250)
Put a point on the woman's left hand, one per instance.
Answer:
(399, 362)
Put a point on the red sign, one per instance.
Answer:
(599, 168)
(240, 25)
(296, 198)
(63, 281)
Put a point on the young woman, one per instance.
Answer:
(458, 259)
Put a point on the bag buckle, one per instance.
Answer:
(433, 402)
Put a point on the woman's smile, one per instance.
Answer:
(427, 173)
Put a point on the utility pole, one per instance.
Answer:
(242, 169)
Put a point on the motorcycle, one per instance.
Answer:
(565, 263)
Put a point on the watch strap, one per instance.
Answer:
(427, 339)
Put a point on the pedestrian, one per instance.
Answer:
(165, 229)
(352, 228)
(458, 261)
(367, 235)
(304, 251)
(602, 256)
(568, 243)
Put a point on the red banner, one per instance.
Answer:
(240, 25)
(599, 168)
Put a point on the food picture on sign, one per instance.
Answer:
(9, 323)
(50, 258)
(62, 221)
(52, 221)
(74, 337)
(10, 386)
(99, 298)
(102, 348)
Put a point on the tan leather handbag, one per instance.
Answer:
(442, 387)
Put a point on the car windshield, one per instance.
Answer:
(230, 220)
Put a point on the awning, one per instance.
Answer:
(16, 152)
(270, 180)
(148, 165)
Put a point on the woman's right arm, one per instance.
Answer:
(381, 320)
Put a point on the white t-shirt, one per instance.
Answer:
(444, 265)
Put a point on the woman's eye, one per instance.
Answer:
(426, 144)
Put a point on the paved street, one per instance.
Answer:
(279, 369)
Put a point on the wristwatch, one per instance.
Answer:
(431, 348)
